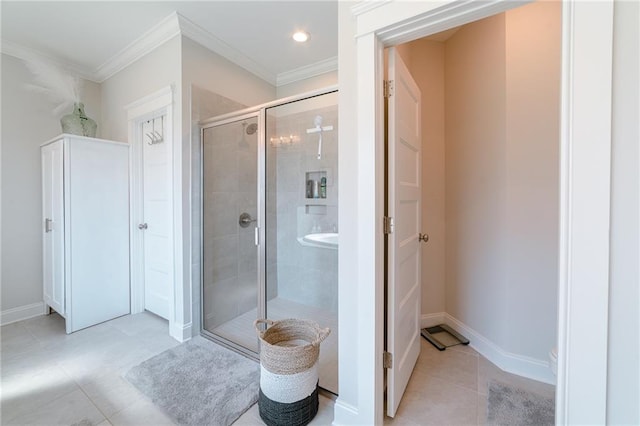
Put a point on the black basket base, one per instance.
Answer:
(298, 413)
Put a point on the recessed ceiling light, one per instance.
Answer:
(301, 36)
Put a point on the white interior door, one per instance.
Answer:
(53, 225)
(156, 227)
(403, 279)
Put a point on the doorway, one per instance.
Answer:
(584, 189)
(155, 226)
(152, 232)
(490, 183)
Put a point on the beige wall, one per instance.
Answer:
(27, 122)
(425, 60)
(475, 150)
(490, 175)
(532, 162)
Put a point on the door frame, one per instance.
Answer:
(585, 151)
(152, 106)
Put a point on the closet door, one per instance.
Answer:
(53, 225)
(157, 225)
(403, 245)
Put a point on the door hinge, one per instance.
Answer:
(387, 223)
(388, 88)
(387, 360)
(256, 236)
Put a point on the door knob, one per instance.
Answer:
(423, 238)
(143, 226)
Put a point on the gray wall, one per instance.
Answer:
(623, 380)
(27, 122)
(217, 75)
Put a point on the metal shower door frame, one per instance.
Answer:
(259, 114)
(259, 111)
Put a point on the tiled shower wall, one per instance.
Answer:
(230, 255)
(307, 275)
(204, 104)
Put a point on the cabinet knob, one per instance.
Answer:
(143, 226)
(423, 237)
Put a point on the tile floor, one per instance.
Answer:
(49, 377)
(450, 388)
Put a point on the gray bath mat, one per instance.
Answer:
(199, 383)
(512, 406)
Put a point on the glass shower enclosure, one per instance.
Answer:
(270, 222)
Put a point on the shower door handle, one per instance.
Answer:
(245, 220)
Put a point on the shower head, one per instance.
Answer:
(317, 121)
(251, 128)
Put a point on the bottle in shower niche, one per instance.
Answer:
(309, 188)
(323, 187)
(315, 192)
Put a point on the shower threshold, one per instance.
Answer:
(442, 337)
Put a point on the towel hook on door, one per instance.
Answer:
(156, 136)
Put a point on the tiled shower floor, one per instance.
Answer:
(240, 330)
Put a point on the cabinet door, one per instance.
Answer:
(53, 226)
(97, 209)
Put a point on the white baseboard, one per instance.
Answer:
(431, 320)
(521, 365)
(344, 413)
(22, 313)
(180, 332)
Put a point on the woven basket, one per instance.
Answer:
(289, 351)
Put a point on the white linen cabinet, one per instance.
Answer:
(85, 206)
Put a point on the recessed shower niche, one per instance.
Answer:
(285, 264)
(316, 185)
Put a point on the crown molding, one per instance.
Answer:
(211, 42)
(171, 26)
(159, 34)
(24, 53)
(366, 6)
(307, 71)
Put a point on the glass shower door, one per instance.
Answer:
(302, 219)
(230, 210)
